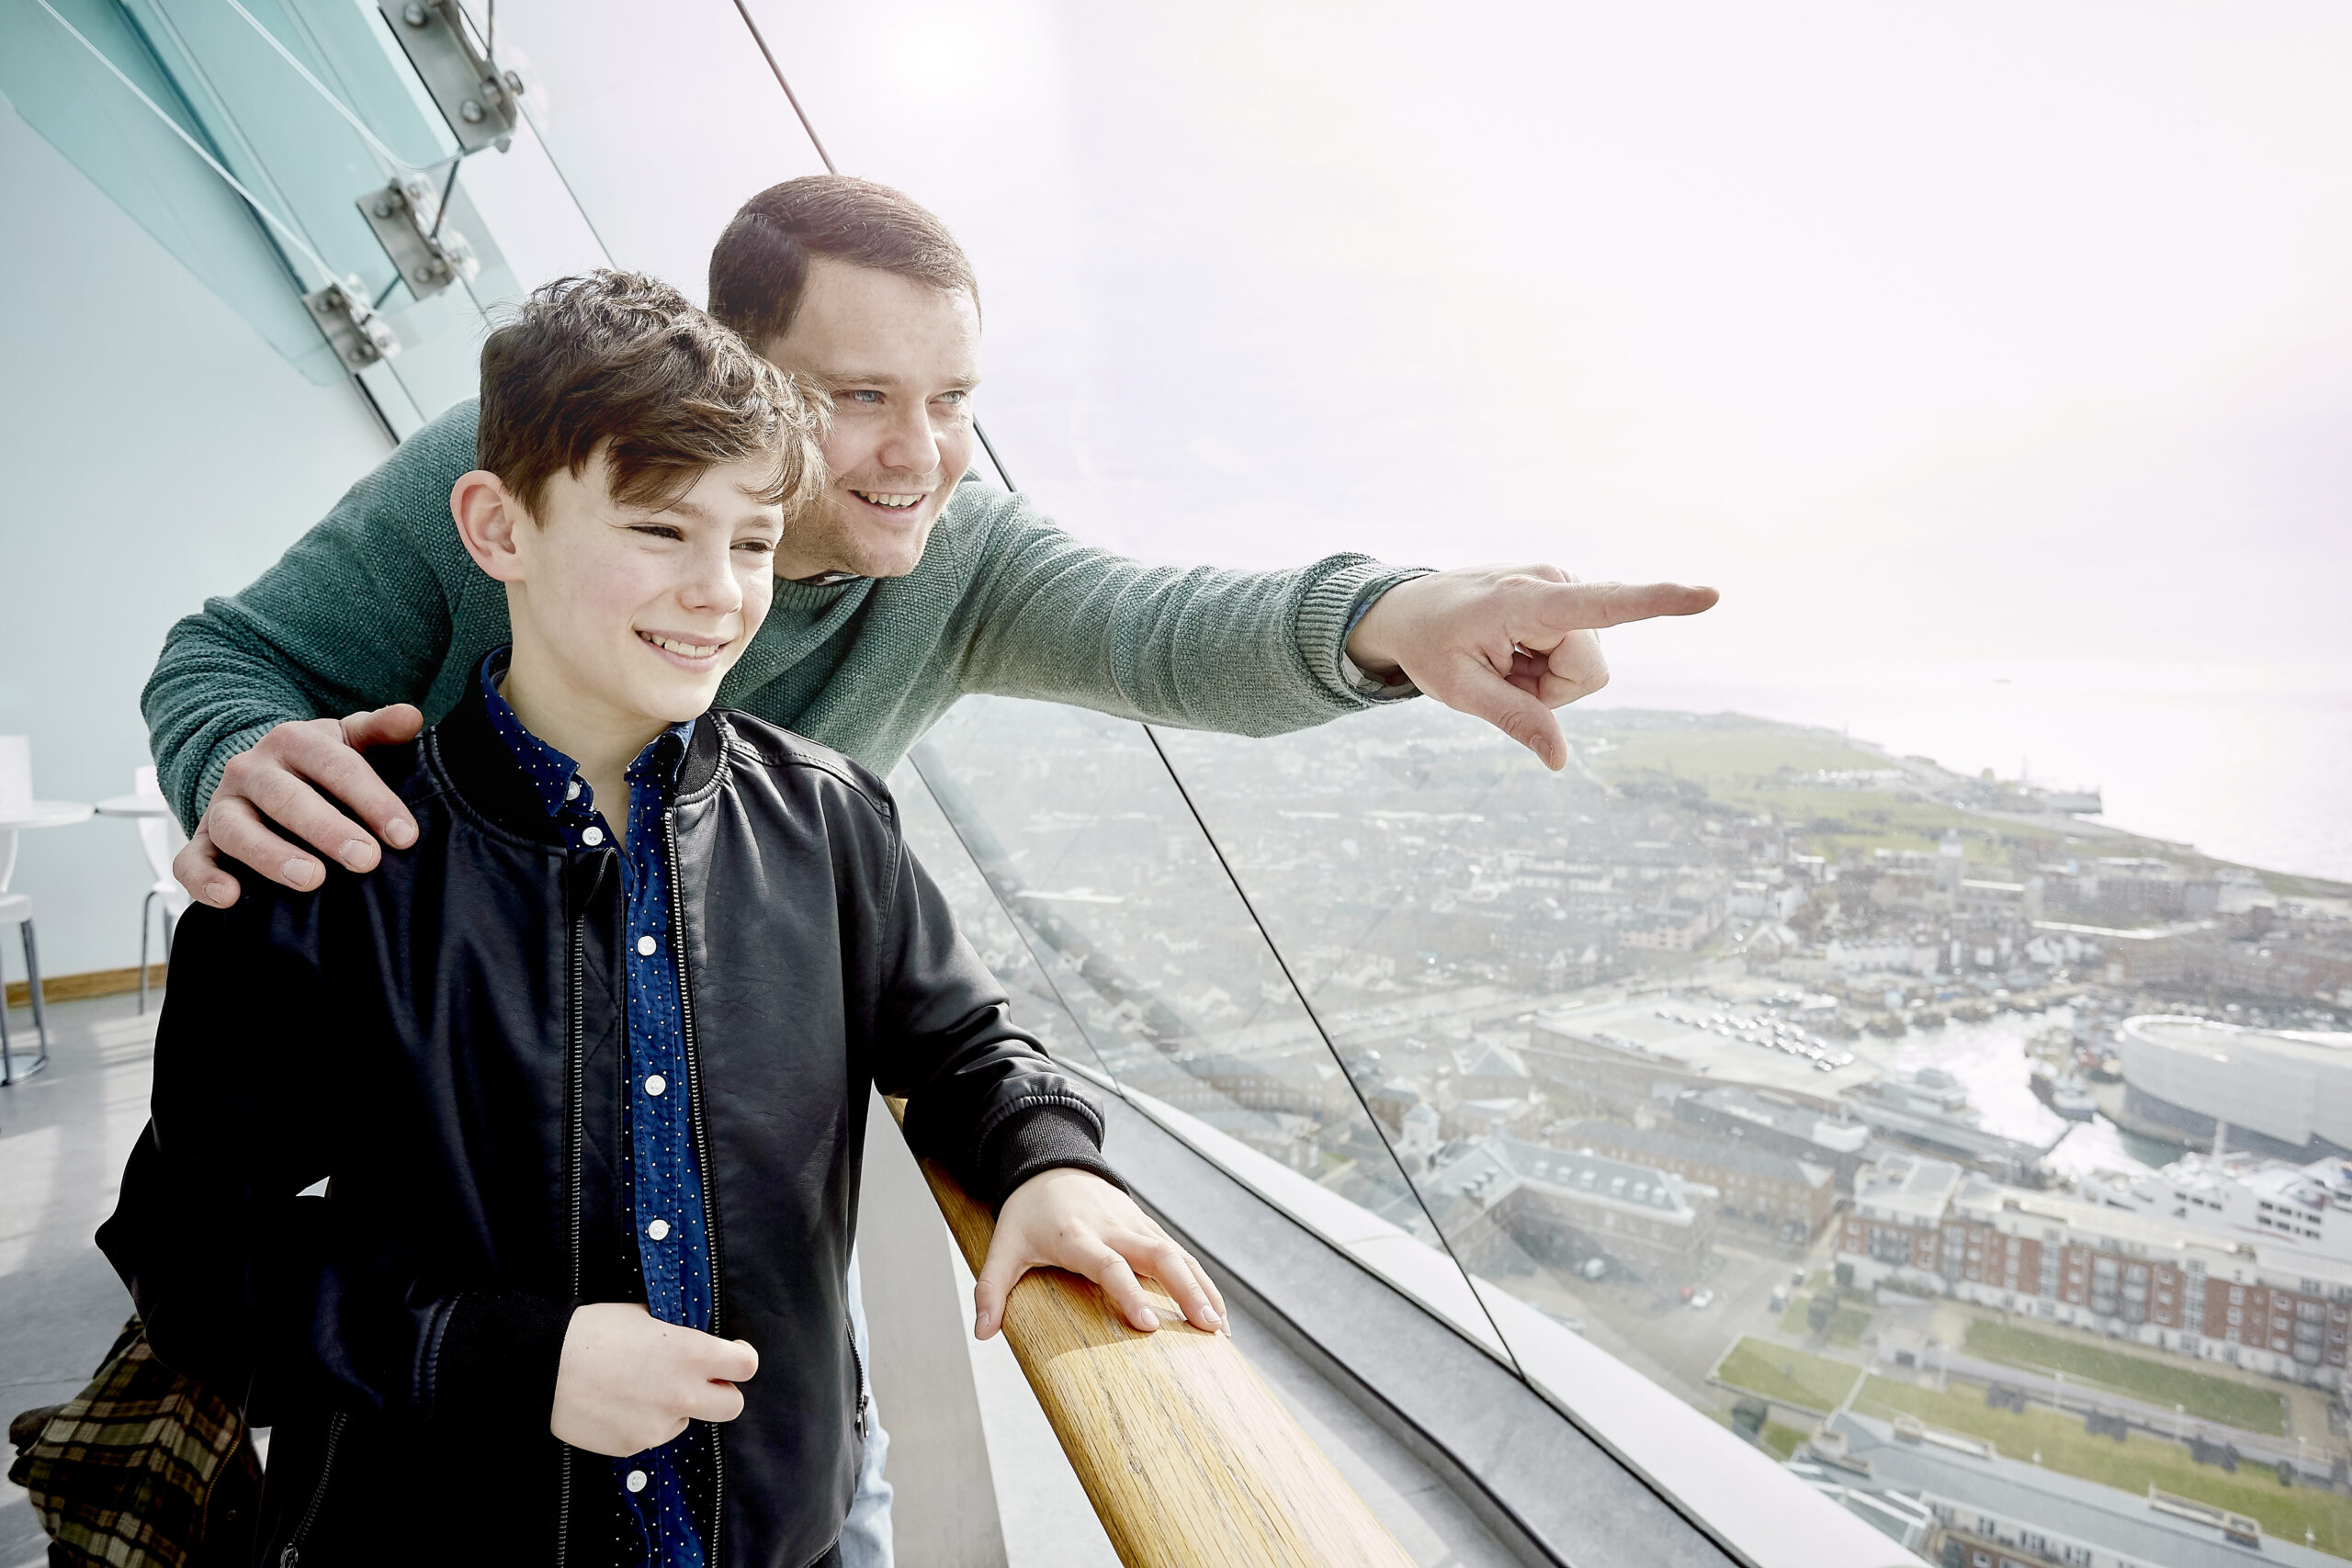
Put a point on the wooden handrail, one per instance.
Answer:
(1189, 1458)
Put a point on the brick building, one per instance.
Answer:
(1560, 1207)
(1930, 1225)
(1794, 1197)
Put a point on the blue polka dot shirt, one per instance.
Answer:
(656, 1489)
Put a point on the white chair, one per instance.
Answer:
(161, 837)
(16, 909)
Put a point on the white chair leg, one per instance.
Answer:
(146, 908)
(7, 1063)
(41, 1008)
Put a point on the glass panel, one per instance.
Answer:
(309, 105)
(1037, 1007)
(1717, 1067)
(74, 102)
(662, 119)
(1119, 901)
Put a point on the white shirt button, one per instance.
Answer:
(592, 836)
(571, 790)
(646, 944)
(656, 1084)
(658, 1229)
(635, 1481)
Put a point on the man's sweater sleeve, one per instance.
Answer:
(1197, 648)
(358, 614)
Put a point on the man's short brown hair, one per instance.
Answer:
(761, 263)
(624, 362)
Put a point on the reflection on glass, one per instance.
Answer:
(1036, 1005)
(1074, 826)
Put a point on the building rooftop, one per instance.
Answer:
(1795, 1121)
(2081, 1512)
(1662, 1143)
(1491, 1168)
(2227, 1040)
(1907, 1189)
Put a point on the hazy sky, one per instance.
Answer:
(1956, 333)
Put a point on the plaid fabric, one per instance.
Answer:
(124, 1472)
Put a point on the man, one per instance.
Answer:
(913, 584)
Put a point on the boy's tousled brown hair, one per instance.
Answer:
(760, 265)
(623, 361)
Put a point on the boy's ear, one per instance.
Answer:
(488, 518)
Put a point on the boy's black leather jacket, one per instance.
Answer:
(443, 1038)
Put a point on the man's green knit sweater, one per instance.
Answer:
(379, 603)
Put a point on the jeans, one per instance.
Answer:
(865, 1538)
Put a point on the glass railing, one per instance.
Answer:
(1305, 958)
(1091, 887)
(1576, 1062)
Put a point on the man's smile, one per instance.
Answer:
(891, 501)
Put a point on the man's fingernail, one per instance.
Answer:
(354, 853)
(400, 831)
(299, 872)
(217, 892)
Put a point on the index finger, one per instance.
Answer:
(1588, 607)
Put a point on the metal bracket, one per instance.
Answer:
(474, 96)
(406, 216)
(358, 336)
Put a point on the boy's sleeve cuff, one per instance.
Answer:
(1044, 1138)
(491, 1370)
(1329, 610)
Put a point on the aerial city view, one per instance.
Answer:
(1979, 1162)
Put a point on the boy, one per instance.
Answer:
(593, 1118)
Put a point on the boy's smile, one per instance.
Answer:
(686, 652)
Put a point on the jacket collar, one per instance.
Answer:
(482, 768)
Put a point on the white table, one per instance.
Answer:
(36, 814)
(133, 806)
(39, 814)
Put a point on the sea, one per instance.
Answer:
(2250, 766)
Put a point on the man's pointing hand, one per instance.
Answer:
(1509, 643)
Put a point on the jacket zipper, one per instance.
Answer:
(857, 1361)
(293, 1552)
(702, 1148)
(573, 1158)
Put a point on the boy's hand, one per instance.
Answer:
(294, 779)
(1073, 1219)
(629, 1382)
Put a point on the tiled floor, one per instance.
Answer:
(64, 1134)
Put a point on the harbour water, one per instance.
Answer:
(1990, 1059)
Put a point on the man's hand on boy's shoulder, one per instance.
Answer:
(300, 777)
(629, 1382)
(1066, 1218)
